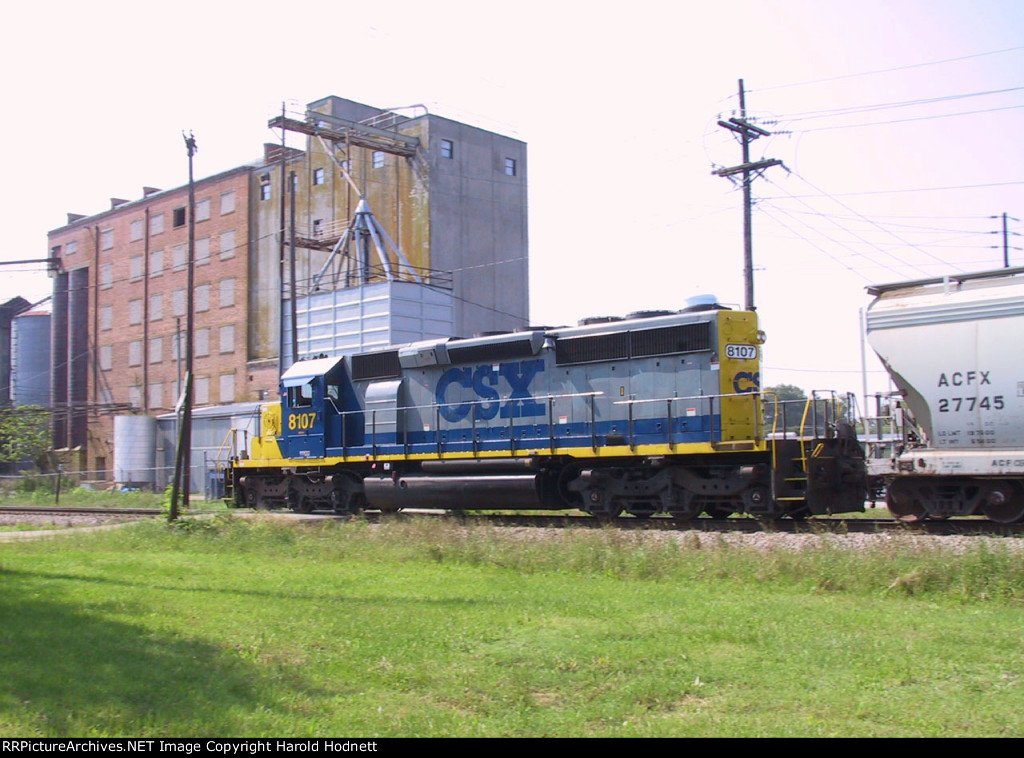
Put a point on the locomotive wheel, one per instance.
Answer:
(1005, 504)
(903, 504)
(297, 502)
(339, 501)
(252, 497)
(683, 514)
(719, 512)
(684, 506)
(346, 503)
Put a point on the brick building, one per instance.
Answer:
(451, 195)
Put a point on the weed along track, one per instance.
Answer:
(737, 526)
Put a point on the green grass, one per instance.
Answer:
(231, 627)
(76, 497)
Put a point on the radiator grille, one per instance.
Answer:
(643, 343)
(382, 365)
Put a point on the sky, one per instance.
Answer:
(897, 123)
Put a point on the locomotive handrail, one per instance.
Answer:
(711, 410)
(437, 407)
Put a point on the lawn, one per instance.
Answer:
(235, 627)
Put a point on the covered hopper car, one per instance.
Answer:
(655, 413)
(952, 346)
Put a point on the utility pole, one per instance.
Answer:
(294, 310)
(1006, 244)
(1006, 238)
(282, 242)
(747, 133)
(183, 459)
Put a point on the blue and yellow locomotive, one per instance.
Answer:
(656, 413)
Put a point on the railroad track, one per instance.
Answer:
(54, 510)
(835, 525)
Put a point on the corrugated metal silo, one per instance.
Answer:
(135, 451)
(30, 359)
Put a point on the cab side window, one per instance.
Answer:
(300, 396)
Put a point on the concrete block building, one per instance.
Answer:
(446, 203)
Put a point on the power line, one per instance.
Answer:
(891, 70)
(905, 120)
(807, 115)
(865, 218)
(915, 189)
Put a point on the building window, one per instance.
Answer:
(203, 251)
(227, 203)
(227, 339)
(106, 317)
(156, 350)
(447, 148)
(510, 167)
(202, 298)
(227, 293)
(203, 210)
(227, 245)
(227, 388)
(106, 357)
(178, 302)
(71, 248)
(156, 263)
(136, 230)
(179, 217)
(156, 395)
(106, 239)
(265, 193)
(156, 223)
(106, 276)
(179, 257)
(135, 353)
(319, 176)
(202, 346)
(135, 396)
(135, 267)
(156, 307)
(378, 159)
(318, 227)
(202, 388)
(134, 312)
(345, 164)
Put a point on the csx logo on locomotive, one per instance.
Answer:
(747, 381)
(483, 381)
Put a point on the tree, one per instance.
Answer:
(24, 433)
(788, 402)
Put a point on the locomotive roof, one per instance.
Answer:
(301, 372)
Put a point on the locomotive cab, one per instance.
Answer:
(313, 404)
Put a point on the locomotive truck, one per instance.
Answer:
(654, 413)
